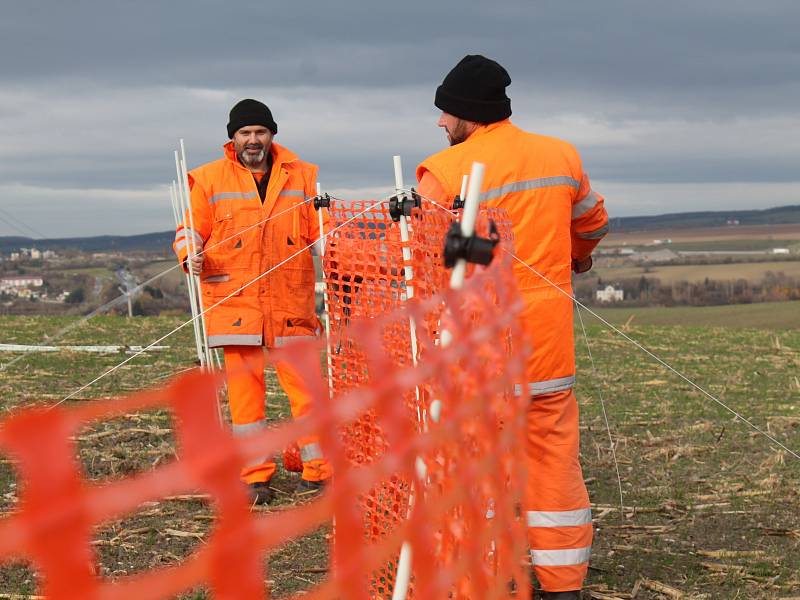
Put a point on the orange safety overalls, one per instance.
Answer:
(556, 218)
(240, 245)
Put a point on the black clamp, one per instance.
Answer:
(458, 203)
(402, 204)
(322, 201)
(473, 249)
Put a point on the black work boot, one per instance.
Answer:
(260, 492)
(574, 595)
(307, 488)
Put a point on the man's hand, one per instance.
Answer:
(197, 263)
(581, 265)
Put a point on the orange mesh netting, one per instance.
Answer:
(365, 277)
(464, 525)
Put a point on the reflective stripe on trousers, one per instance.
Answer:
(310, 452)
(561, 558)
(548, 386)
(559, 518)
(243, 429)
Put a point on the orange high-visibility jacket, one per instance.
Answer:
(556, 217)
(239, 246)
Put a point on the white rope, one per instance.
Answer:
(182, 325)
(611, 444)
(641, 347)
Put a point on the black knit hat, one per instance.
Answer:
(475, 90)
(250, 112)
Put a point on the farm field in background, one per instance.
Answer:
(732, 235)
(751, 271)
(710, 507)
(779, 316)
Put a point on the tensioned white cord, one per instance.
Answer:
(182, 325)
(121, 297)
(611, 445)
(641, 347)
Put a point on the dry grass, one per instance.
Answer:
(709, 505)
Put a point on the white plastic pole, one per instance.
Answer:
(463, 194)
(468, 222)
(403, 574)
(408, 271)
(198, 287)
(468, 218)
(192, 298)
(327, 316)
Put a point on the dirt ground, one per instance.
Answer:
(709, 505)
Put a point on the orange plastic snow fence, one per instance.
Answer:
(450, 488)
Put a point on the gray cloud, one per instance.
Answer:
(95, 94)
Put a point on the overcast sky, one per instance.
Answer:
(674, 106)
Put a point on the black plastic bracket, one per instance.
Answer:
(322, 201)
(457, 203)
(473, 249)
(402, 204)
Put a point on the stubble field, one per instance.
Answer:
(709, 506)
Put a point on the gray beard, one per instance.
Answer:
(252, 160)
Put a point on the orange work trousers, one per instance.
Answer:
(244, 369)
(556, 501)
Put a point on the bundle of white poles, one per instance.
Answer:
(182, 211)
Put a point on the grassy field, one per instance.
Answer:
(765, 315)
(710, 506)
(751, 271)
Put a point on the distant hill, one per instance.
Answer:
(161, 242)
(147, 242)
(781, 215)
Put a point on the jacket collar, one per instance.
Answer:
(484, 129)
(280, 155)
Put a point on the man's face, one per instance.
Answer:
(457, 129)
(251, 144)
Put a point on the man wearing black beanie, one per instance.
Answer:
(557, 221)
(251, 213)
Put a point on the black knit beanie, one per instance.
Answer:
(475, 90)
(250, 112)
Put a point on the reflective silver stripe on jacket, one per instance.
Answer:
(232, 196)
(299, 193)
(288, 339)
(594, 235)
(237, 339)
(217, 278)
(310, 452)
(585, 205)
(183, 234)
(561, 558)
(559, 518)
(538, 388)
(530, 184)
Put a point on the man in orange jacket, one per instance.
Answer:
(251, 214)
(557, 221)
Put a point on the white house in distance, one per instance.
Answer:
(20, 285)
(21, 281)
(609, 294)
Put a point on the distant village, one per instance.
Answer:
(36, 281)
